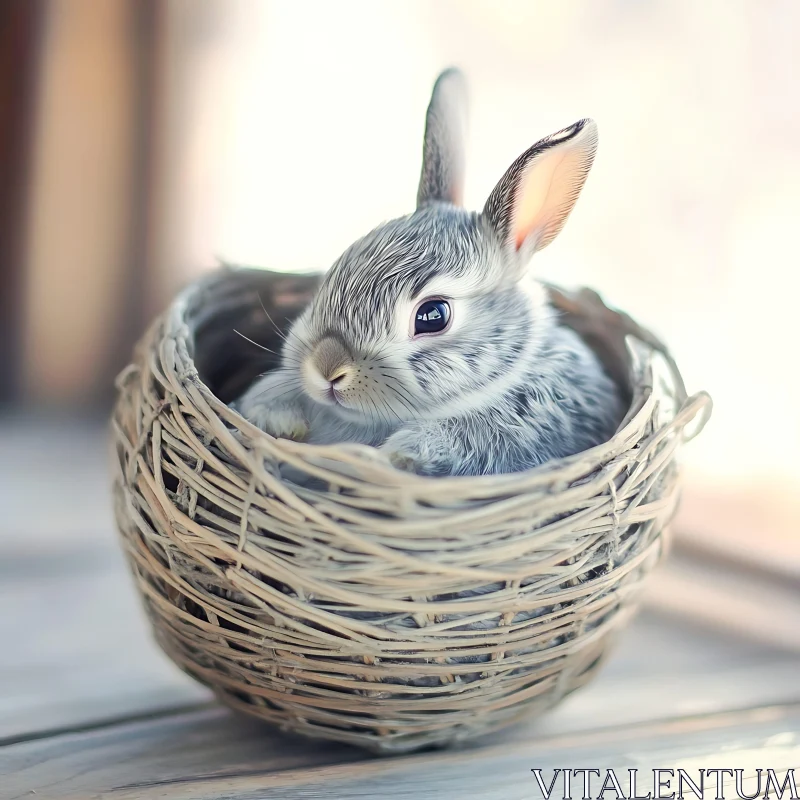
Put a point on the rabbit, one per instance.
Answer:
(430, 339)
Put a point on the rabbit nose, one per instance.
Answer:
(339, 378)
(330, 366)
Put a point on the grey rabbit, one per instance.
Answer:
(429, 337)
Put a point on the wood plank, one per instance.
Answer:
(208, 755)
(55, 487)
(729, 597)
(76, 647)
(198, 743)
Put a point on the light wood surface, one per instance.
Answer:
(89, 707)
(211, 755)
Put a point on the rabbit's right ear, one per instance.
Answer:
(530, 205)
(443, 153)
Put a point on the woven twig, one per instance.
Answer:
(384, 609)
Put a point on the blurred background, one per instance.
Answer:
(143, 139)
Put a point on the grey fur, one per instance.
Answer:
(504, 389)
(444, 146)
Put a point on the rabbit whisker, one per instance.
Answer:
(288, 387)
(395, 386)
(274, 325)
(260, 346)
(406, 404)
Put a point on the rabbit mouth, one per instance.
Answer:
(331, 397)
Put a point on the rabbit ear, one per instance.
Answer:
(531, 203)
(442, 178)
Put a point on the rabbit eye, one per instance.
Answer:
(432, 316)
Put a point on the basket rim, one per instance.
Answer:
(642, 350)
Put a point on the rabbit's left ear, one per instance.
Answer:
(443, 152)
(531, 203)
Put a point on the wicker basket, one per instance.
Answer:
(376, 607)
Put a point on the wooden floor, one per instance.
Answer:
(90, 708)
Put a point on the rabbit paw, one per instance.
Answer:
(407, 462)
(413, 450)
(282, 421)
(403, 451)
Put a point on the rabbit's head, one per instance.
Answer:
(434, 312)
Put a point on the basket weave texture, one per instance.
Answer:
(376, 607)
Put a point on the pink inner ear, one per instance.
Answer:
(547, 193)
(520, 240)
(539, 189)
